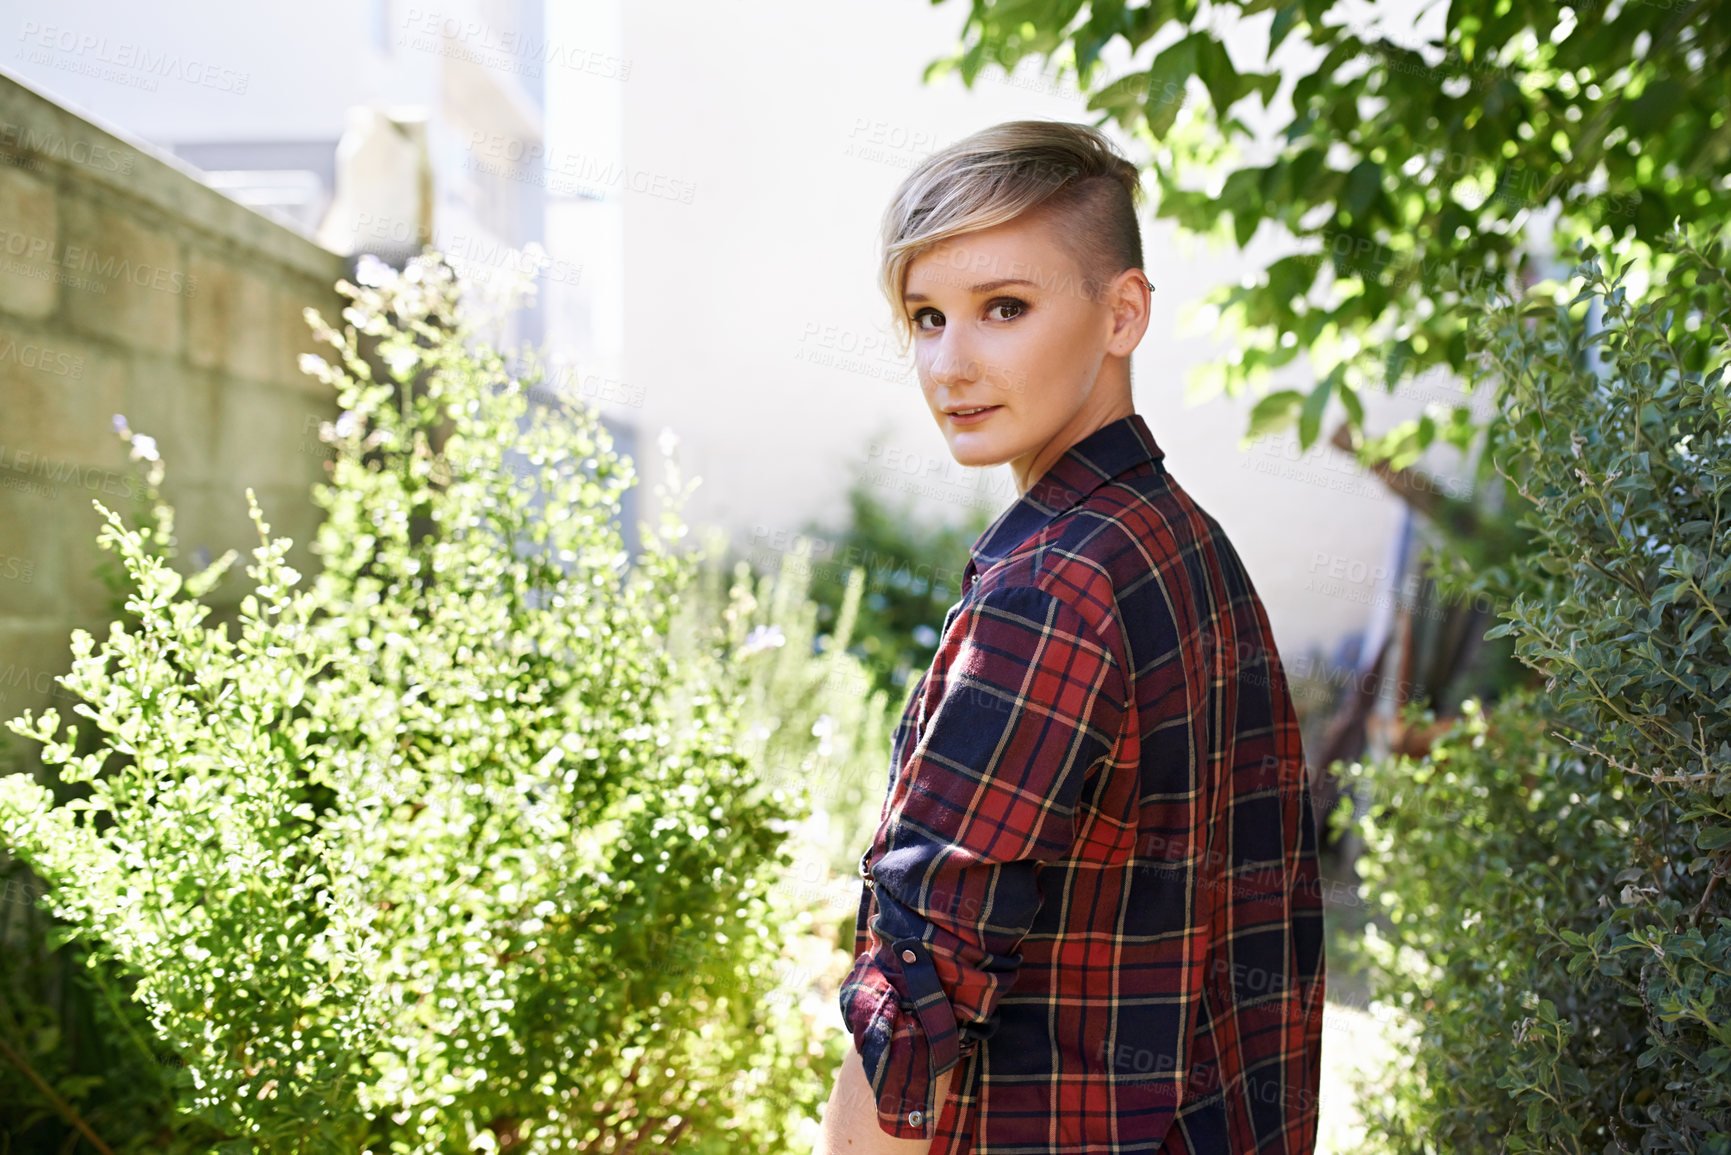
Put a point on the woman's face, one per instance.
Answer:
(1002, 321)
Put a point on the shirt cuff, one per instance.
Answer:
(905, 1031)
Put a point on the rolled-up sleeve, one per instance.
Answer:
(1030, 701)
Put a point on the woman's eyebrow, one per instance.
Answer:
(982, 287)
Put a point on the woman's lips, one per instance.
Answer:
(974, 418)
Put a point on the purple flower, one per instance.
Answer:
(761, 638)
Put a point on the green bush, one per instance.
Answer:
(77, 1057)
(1552, 873)
(913, 573)
(399, 863)
(812, 718)
(1472, 856)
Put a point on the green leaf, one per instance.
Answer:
(1713, 837)
(1167, 75)
(1274, 411)
(1349, 398)
(1310, 419)
(1286, 18)
(1363, 187)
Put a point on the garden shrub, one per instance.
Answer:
(1552, 874)
(1471, 856)
(398, 862)
(912, 565)
(77, 1056)
(812, 718)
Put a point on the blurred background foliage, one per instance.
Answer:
(911, 564)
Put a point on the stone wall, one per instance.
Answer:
(129, 287)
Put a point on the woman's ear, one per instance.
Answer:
(1129, 300)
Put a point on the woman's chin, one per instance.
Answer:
(974, 451)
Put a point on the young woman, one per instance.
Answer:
(1090, 918)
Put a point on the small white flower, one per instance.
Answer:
(372, 272)
(144, 448)
(761, 638)
(400, 358)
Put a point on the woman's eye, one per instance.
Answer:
(1018, 306)
(923, 314)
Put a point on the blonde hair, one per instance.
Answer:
(1070, 173)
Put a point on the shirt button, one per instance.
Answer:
(909, 956)
(916, 1118)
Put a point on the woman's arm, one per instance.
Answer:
(850, 1121)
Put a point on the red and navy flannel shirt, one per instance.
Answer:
(1093, 889)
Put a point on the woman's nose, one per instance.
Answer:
(954, 365)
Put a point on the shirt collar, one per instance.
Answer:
(1110, 450)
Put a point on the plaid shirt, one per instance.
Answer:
(1094, 882)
